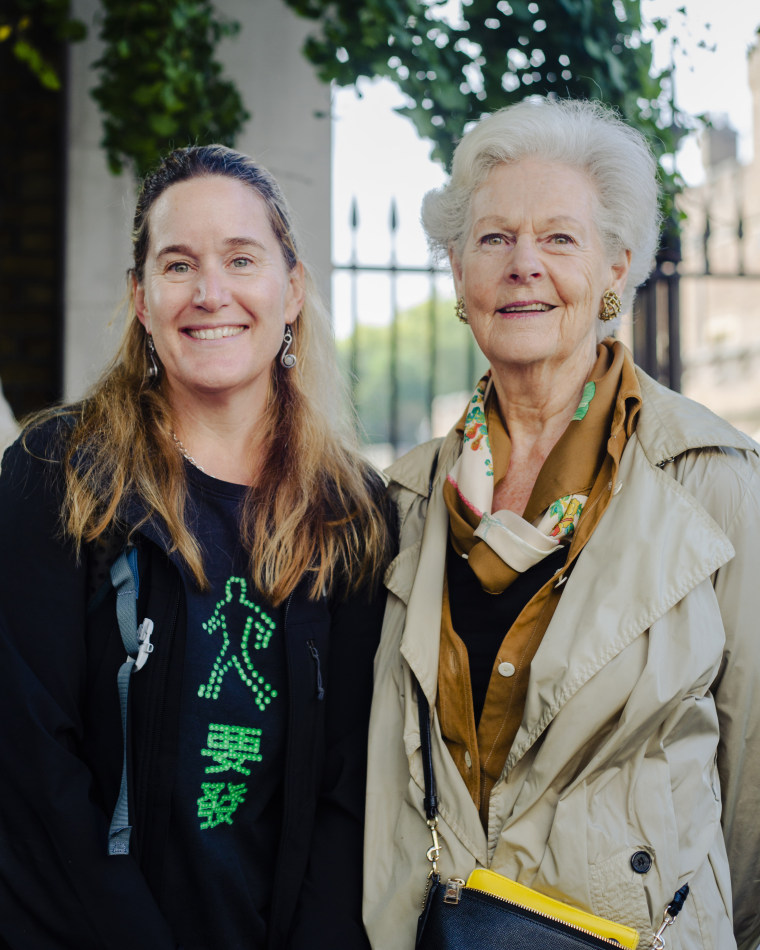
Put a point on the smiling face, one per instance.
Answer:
(216, 293)
(532, 268)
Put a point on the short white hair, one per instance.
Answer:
(583, 134)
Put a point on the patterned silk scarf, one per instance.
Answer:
(501, 545)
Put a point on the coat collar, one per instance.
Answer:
(670, 424)
(412, 471)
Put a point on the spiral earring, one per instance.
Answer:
(153, 367)
(288, 360)
(461, 311)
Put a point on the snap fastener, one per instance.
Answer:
(506, 669)
(641, 861)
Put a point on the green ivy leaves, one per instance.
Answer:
(159, 85)
(27, 24)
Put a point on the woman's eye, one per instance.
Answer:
(562, 239)
(492, 239)
(241, 262)
(179, 267)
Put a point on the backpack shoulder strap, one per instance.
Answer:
(136, 640)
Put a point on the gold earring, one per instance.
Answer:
(611, 306)
(461, 311)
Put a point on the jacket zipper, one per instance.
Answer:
(160, 705)
(312, 647)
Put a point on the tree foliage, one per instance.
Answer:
(160, 86)
(454, 70)
(26, 25)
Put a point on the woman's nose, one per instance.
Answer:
(211, 291)
(524, 261)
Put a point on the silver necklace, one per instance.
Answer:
(186, 454)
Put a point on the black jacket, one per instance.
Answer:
(61, 747)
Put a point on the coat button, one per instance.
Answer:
(506, 669)
(641, 861)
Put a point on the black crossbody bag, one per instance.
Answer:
(465, 916)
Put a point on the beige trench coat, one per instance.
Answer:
(641, 729)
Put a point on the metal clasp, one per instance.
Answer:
(434, 851)
(659, 943)
(453, 890)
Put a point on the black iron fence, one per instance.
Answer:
(432, 313)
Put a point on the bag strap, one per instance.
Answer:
(431, 799)
(423, 710)
(136, 640)
(433, 470)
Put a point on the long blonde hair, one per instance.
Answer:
(314, 508)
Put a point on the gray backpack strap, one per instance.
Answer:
(137, 643)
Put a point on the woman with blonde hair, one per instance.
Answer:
(208, 486)
(570, 646)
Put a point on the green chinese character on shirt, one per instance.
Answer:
(218, 808)
(231, 747)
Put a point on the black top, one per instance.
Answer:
(227, 803)
(60, 763)
(482, 620)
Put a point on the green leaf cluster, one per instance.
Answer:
(29, 26)
(500, 51)
(159, 84)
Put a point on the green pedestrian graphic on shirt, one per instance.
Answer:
(239, 638)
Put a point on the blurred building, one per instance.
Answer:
(720, 286)
(65, 220)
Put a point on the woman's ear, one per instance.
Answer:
(456, 270)
(141, 306)
(296, 293)
(619, 271)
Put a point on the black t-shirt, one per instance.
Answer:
(226, 806)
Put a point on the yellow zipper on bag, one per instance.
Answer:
(496, 885)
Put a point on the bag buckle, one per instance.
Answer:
(453, 890)
(146, 647)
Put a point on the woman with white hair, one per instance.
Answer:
(575, 600)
